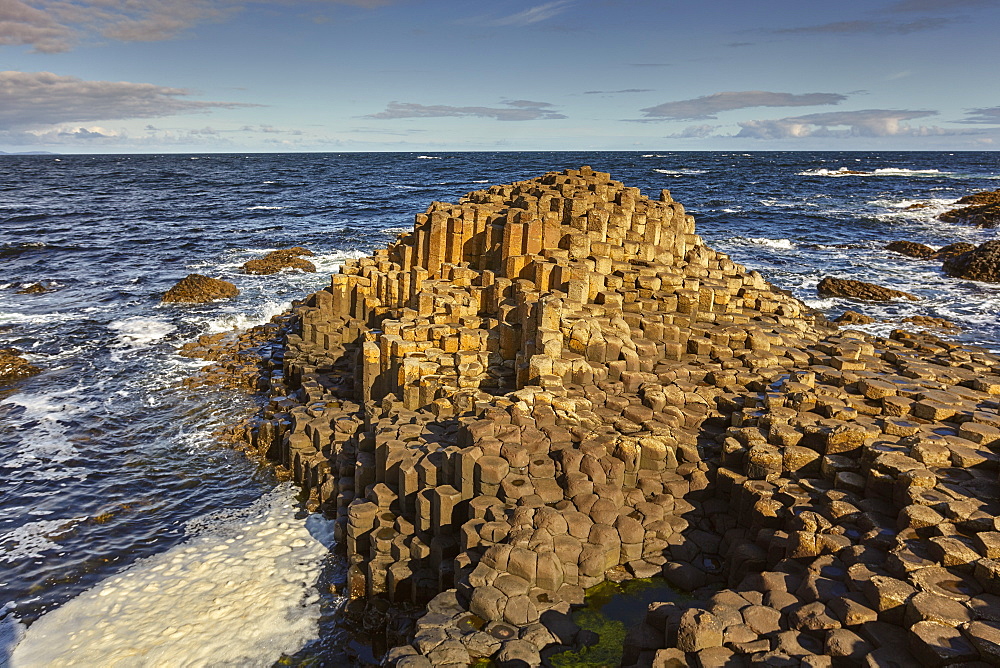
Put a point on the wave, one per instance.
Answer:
(782, 244)
(140, 332)
(264, 208)
(239, 591)
(428, 157)
(681, 172)
(884, 171)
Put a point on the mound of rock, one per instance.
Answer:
(275, 261)
(932, 322)
(198, 289)
(980, 264)
(853, 318)
(851, 289)
(14, 367)
(980, 209)
(911, 249)
(34, 289)
(952, 250)
(554, 383)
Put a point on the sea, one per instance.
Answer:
(129, 536)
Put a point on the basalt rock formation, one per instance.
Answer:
(851, 289)
(979, 264)
(198, 289)
(980, 209)
(275, 261)
(555, 382)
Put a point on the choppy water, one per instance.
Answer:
(105, 461)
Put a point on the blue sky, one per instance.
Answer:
(106, 76)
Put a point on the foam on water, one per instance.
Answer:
(140, 332)
(428, 157)
(783, 244)
(45, 446)
(240, 591)
(33, 539)
(264, 208)
(680, 172)
(884, 171)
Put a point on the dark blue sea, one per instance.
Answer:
(107, 463)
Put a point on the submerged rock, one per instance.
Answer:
(275, 261)
(980, 264)
(198, 289)
(14, 367)
(910, 249)
(34, 289)
(845, 287)
(980, 209)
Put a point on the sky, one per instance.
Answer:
(153, 76)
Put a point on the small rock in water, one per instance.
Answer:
(34, 289)
(952, 250)
(910, 249)
(854, 318)
(275, 261)
(14, 367)
(930, 321)
(198, 289)
(844, 287)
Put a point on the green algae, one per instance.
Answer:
(610, 610)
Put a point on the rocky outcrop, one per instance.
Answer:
(979, 264)
(981, 209)
(555, 382)
(14, 367)
(931, 322)
(911, 249)
(952, 250)
(853, 318)
(34, 289)
(198, 289)
(851, 289)
(275, 261)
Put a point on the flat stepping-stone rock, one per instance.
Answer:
(936, 644)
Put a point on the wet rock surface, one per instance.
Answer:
(911, 249)
(555, 383)
(980, 209)
(979, 264)
(34, 289)
(14, 367)
(275, 261)
(198, 289)
(844, 287)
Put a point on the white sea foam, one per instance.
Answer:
(45, 447)
(240, 591)
(263, 312)
(264, 208)
(784, 244)
(680, 172)
(428, 157)
(884, 171)
(655, 155)
(482, 181)
(397, 230)
(34, 539)
(140, 332)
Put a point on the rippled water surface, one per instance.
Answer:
(104, 460)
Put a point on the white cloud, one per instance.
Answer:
(861, 123)
(54, 26)
(535, 14)
(38, 99)
(516, 110)
(707, 106)
(694, 132)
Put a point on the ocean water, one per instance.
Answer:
(113, 489)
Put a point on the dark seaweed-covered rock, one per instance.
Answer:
(14, 367)
(34, 289)
(910, 249)
(198, 289)
(844, 287)
(980, 209)
(275, 261)
(980, 264)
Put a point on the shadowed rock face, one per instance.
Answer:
(198, 289)
(980, 209)
(980, 264)
(555, 382)
(275, 261)
(843, 287)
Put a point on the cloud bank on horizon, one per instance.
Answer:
(394, 75)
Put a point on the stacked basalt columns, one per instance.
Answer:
(554, 383)
(863, 522)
